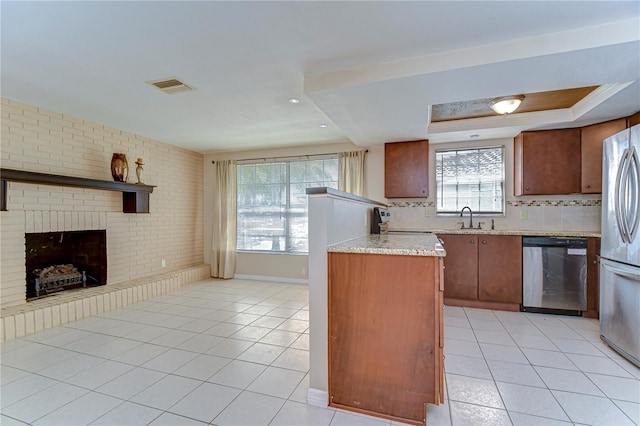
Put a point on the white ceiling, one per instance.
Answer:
(370, 70)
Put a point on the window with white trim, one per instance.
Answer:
(272, 210)
(471, 177)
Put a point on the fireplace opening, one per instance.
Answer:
(57, 261)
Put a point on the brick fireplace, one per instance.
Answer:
(138, 246)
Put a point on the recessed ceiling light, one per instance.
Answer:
(324, 126)
(294, 100)
(475, 135)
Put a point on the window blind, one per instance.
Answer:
(471, 177)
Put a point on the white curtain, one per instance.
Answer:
(351, 172)
(223, 250)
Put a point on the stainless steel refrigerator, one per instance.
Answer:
(620, 248)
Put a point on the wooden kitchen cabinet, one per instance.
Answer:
(500, 268)
(591, 155)
(547, 162)
(385, 334)
(633, 119)
(483, 271)
(593, 278)
(461, 265)
(406, 169)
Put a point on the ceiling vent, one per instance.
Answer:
(171, 85)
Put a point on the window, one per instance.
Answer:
(272, 203)
(471, 177)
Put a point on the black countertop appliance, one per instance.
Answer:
(379, 220)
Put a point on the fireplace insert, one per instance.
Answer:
(57, 261)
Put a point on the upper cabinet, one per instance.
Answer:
(547, 162)
(565, 161)
(592, 137)
(406, 169)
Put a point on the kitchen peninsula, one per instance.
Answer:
(386, 325)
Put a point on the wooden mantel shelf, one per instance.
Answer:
(135, 197)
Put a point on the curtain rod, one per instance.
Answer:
(287, 156)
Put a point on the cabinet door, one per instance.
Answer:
(547, 162)
(500, 268)
(592, 137)
(406, 169)
(461, 266)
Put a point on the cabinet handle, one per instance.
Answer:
(484, 241)
(472, 241)
(587, 186)
(527, 188)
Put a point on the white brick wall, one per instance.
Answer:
(39, 140)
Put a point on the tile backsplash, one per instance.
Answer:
(570, 214)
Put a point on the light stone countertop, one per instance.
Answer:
(569, 234)
(425, 244)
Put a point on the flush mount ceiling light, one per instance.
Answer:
(294, 100)
(507, 104)
(324, 126)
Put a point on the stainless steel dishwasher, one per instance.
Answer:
(554, 275)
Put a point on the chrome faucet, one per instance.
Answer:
(470, 216)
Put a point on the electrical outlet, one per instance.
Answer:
(523, 215)
(164, 263)
(366, 216)
(426, 212)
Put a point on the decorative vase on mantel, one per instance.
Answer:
(119, 167)
(139, 170)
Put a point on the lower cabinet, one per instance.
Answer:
(483, 271)
(461, 267)
(386, 334)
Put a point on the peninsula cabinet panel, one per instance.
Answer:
(385, 357)
(592, 137)
(500, 268)
(406, 169)
(593, 278)
(547, 162)
(461, 266)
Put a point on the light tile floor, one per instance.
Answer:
(236, 353)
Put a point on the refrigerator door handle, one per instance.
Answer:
(634, 193)
(619, 269)
(619, 201)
